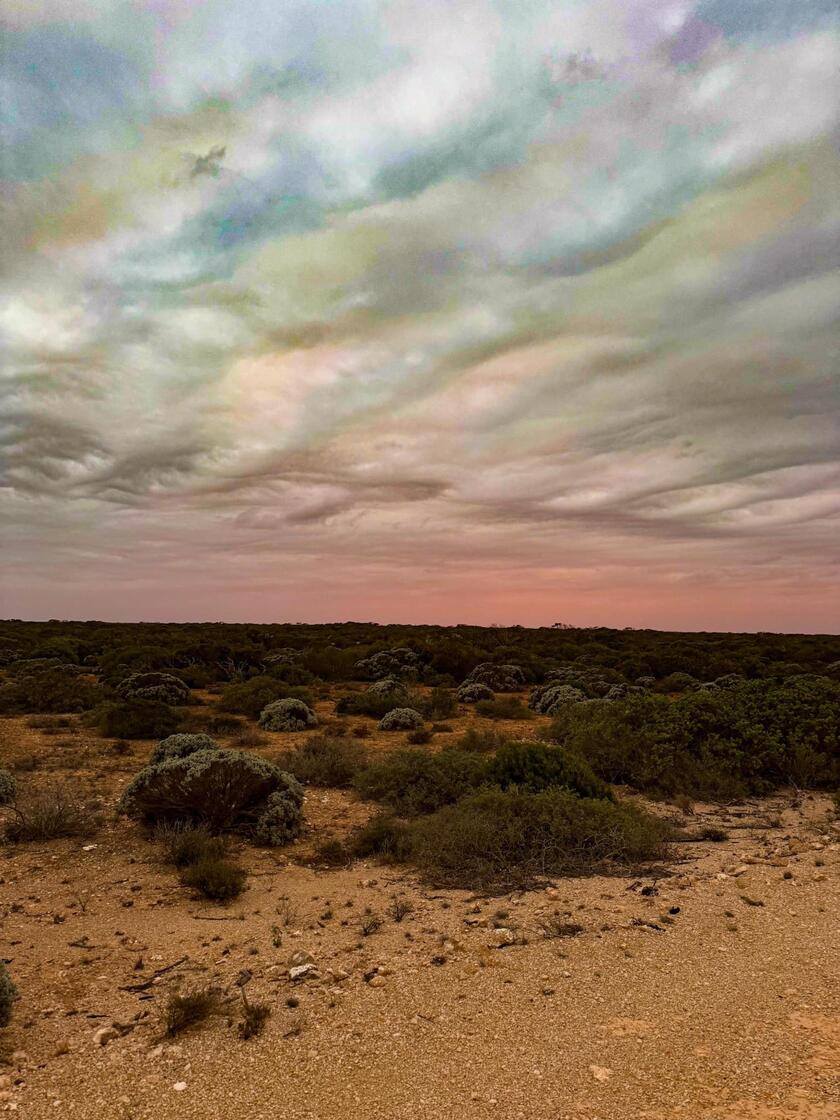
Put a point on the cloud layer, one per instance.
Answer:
(487, 310)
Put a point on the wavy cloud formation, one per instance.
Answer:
(496, 310)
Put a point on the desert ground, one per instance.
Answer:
(704, 988)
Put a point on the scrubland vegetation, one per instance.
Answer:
(476, 759)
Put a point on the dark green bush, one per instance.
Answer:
(383, 836)
(441, 703)
(540, 765)
(750, 738)
(185, 844)
(413, 780)
(248, 698)
(136, 719)
(8, 787)
(503, 707)
(214, 878)
(8, 995)
(325, 761)
(376, 704)
(480, 740)
(54, 690)
(498, 838)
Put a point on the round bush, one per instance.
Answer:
(288, 714)
(501, 678)
(8, 787)
(473, 692)
(8, 995)
(548, 699)
(179, 746)
(282, 819)
(162, 687)
(224, 790)
(401, 719)
(136, 719)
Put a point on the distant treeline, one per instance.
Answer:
(330, 651)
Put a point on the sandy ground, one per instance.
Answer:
(709, 990)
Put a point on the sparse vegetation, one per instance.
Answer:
(51, 813)
(186, 1009)
(8, 787)
(325, 761)
(215, 878)
(8, 995)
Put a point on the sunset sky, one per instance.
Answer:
(483, 311)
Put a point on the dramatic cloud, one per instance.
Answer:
(444, 310)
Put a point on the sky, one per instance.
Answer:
(478, 311)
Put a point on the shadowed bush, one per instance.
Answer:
(749, 738)
(537, 766)
(503, 707)
(55, 690)
(325, 761)
(187, 1009)
(413, 781)
(8, 995)
(505, 837)
(8, 787)
(248, 698)
(136, 719)
(224, 790)
(185, 844)
(214, 878)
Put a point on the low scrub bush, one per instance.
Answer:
(401, 719)
(503, 707)
(223, 790)
(537, 766)
(747, 739)
(441, 703)
(163, 687)
(186, 1009)
(185, 844)
(325, 761)
(54, 690)
(179, 746)
(8, 995)
(497, 838)
(413, 780)
(384, 836)
(214, 878)
(136, 719)
(287, 714)
(8, 787)
(249, 698)
(49, 814)
(480, 740)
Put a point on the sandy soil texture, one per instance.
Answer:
(708, 989)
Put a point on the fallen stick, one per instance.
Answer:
(146, 984)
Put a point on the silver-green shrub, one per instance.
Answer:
(179, 746)
(287, 714)
(401, 719)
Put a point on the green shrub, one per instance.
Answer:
(383, 836)
(8, 787)
(480, 740)
(54, 690)
(248, 698)
(505, 837)
(370, 703)
(441, 703)
(747, 739)
(325, 761)
(419, 737)
(413, 781)
(136, 719)
(185, 844)
(8, 995)
(537, 766)
(214, 878)
(503, 707)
